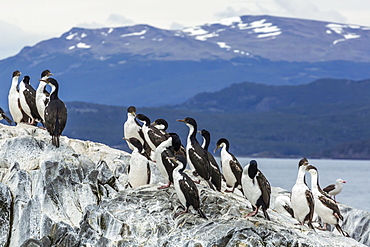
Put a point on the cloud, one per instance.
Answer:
(231, 12)
(307, 10)
(113, 20)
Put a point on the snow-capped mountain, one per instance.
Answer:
(146, 66)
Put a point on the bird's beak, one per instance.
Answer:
(344, 182)
(181, 120)
(43, 80)
(125, 138)
(217, 147)
(171, 158)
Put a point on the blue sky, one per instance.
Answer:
(24, 22)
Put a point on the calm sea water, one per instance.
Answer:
(356, 191)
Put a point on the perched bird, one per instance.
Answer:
(334, 189)
(186, 189)
(216, 175)
(256, 188)
(160, 124)
(283, 205)
(164, 151)
(42, 95)
(27, 97)
(301, 198)
(139, 169)
(131, 128)
(55, 113)
(231, 167)
(196, 156)
(15, 108)
(152, 135)
(4, 116)
(325, 207)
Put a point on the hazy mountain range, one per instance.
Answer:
(146, 66)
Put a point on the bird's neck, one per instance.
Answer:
(54, 92)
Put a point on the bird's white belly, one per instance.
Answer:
(138, 171)
(325, 213)
(180, 194)
(13, 107)
(251, 190)
(299, 202)
(226, 169)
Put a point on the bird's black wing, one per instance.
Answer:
(237, 169)
(264, 184)
(148, 172)
(30, 95)
(200, 161)
(330, 203)
(329, 188)
(190, 191)
(311, 205)
(156, 136)
(168, 163)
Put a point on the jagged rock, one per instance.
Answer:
(75, 195)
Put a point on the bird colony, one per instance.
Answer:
(151, 143)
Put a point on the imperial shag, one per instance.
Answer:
(139, 169)
(27, 96)
(186, 189)
(42, 95)
(196, 156)
(230, 165)
(216, 175)
(55, 113)
(301, 198)
(15, 108)
(325, 207)
(256, 188)
(4, 116)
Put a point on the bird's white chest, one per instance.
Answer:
(176, 178)
(251, 189)
(138, 170)
(226, 169)
(325, 213)
(299, 201)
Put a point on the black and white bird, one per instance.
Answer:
(4, 116)
(301, 198)
(131, 128)
(186, 189)
(42, 95)
(139, 169)
(161, 124)
(196, 156)
(15, 109)
(325, 207)
(27, 97)
(283, 205)
(334, 189)
(216, 174)
(152, 135)
(163, 152)
(231, 168)
(55, 113)
(256, 188)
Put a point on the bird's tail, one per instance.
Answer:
(55, 141)
(341, 230)
(202, 214)
(266, 214)
(7, 119)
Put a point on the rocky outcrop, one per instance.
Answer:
(75, 195)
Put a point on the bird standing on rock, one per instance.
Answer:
(139, 169)
(216, 174)
(196, 156)
(14, 104)
(301, 198)
(27, 98)
(256, 188)
(325, 207)
(186, 189)
(55, 113)
(231, 167)
(42, 96)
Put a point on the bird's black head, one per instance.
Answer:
(252, 171)
(303, 162)
(46, 73)
(176, 142)
(222, 141)
(16, 73)
(161, 121)
(26, 79)
(189, 120)
(181, 161)
(205, 133)
(136, 143)
(131, 109)
(311, 167)
(143, 119)
(52, 81)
